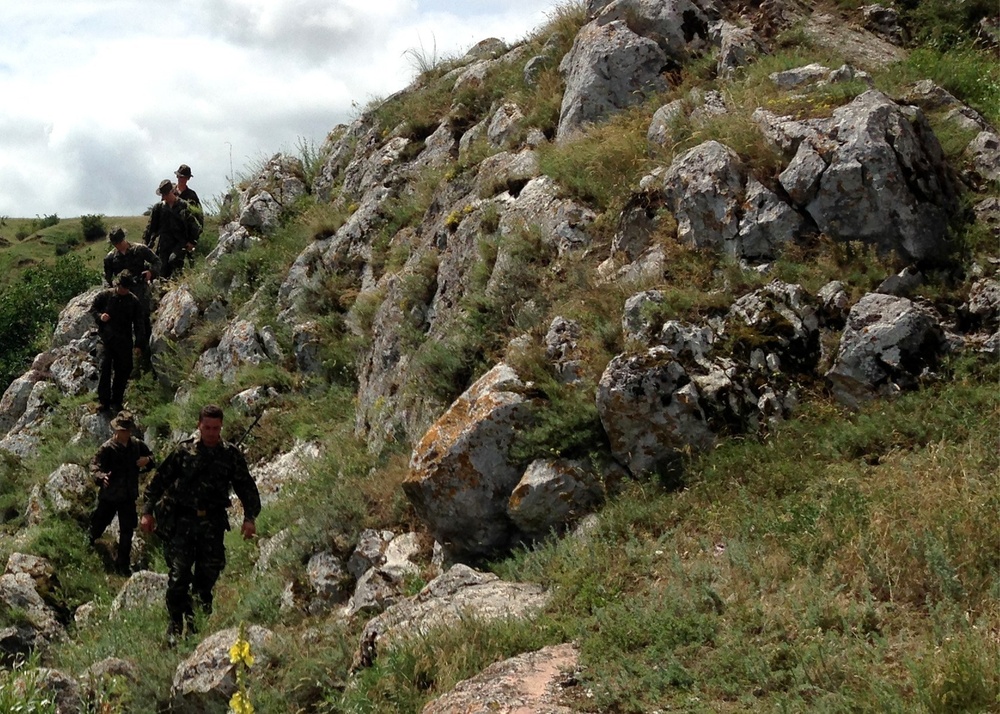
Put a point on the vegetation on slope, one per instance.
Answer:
(840, 562)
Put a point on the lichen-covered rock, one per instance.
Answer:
(461, 473)
(551, 495)
(241, 345)
(704, 190)
(886, 182)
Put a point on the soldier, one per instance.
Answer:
(119, 324)
(190, 494)
(172, 229)
(115, 467)
(143, 264)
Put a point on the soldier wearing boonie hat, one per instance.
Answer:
(115, 468)
(172, 230)
(183, 173)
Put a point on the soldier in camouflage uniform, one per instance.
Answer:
(186, 503)
(119, 323)
(172, 229)
(143, 264)
(115, 467)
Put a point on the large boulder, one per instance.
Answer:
(651, 410)
(884, 180)
(608, 69)
(461, 474)
(888, 343)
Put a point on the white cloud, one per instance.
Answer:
(103, 99)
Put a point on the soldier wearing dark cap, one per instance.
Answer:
(116, 467)
(172, 230)
(187, 193)
(143, 264)
(186, 502)
(119, 323)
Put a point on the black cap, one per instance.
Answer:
(116, 235)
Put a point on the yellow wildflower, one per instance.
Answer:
(240, 652)
(240, 704)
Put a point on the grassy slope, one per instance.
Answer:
(846, 562)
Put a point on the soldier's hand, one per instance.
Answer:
(249, 530)
(148, 274)
(105, 317)
(147, 523)
(105, 480)
(142, 461)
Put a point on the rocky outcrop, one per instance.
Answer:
(873, 173)
(458, 594)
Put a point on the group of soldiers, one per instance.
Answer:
(185, 503)
(123, 311)
(186, 500)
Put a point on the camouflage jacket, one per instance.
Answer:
(137, 259)
(118, 462)
(195, 478)
(172, 225)
(126, 317)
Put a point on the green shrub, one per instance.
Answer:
(92, 227)
(29, 308)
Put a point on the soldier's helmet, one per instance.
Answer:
(124, 279)
(116, 235)
(123, 420)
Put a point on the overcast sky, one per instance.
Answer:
(101, 99)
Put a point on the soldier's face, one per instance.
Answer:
(210, 430)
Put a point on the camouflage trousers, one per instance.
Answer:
(196, 555)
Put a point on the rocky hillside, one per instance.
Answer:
(642, 365)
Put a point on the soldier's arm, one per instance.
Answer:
(152, 259)
(153, 226)
(146, 452)
(99, 306)
(244, 486)
(107, 268)
(100, 468)
(158, 485)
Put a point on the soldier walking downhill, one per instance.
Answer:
(119, 324)
(172, 230)
(186, 502)
(116, 467)
(144, 265)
